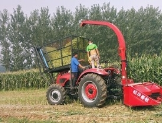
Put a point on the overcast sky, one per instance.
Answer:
(30, 5)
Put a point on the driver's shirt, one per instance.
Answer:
(74, 64)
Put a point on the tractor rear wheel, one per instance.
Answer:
(92, 90)
(55, 94)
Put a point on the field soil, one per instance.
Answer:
(32, 105)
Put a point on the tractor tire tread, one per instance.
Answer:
(63, 93)
(102, 86)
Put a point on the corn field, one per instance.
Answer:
(21, 80)
(145, 68)
(141, 69)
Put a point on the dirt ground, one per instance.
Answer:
(32, 104)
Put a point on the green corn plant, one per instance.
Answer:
(21, 80)
(145, 68)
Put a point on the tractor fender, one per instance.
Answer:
(101, 72)
(62, 78)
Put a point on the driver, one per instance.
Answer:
(74, 68)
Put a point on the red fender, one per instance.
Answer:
(62, 78)
(94, 71)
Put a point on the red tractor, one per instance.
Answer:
(94, 85)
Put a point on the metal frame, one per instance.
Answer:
(45, 63)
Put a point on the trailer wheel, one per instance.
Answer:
(55, 94)
(92, 91)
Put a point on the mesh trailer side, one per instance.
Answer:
(58, 54)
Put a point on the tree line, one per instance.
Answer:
(142, 30)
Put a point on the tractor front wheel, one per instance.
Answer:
(92, 90)
(55, 94)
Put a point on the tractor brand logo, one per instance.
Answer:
(141, 96)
